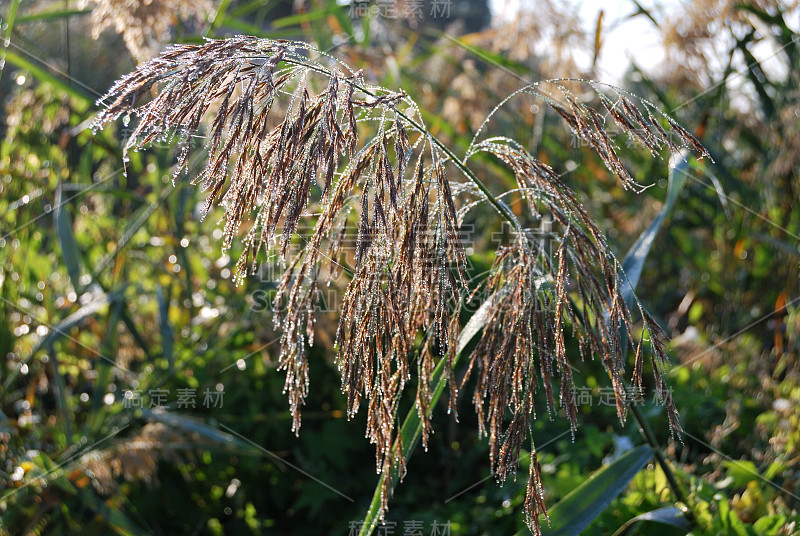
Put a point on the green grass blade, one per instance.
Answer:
(62, 328)
(189, 424)
(105, 372)
(582, 505)
(219, 17)
(116, 520)
(62, 397)
(759, 79)
(242, 26)
(411, 430)
(137, 221)
(640, 10)
(66, 239)
(45, 76)
(52, 15)
(486, 55)
(253, 5)
(165, 326)
(788, 38)
(11, 17)
(294, 20)
(8, 20)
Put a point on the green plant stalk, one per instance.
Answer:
(674, 485)
(410, 432)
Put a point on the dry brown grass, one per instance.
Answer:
(145, 25)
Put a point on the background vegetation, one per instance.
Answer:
(112, 285)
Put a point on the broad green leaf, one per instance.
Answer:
(633, 263)
(669, 515)
(582, 505)
(776, 468)
(771, 525)
(741, 471)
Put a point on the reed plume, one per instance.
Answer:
(145, 25)
(354, 157)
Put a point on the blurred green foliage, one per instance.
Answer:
(110, 283)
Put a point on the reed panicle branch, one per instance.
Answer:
(290, 130)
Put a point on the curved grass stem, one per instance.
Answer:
(661, 459)
(501, 207)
